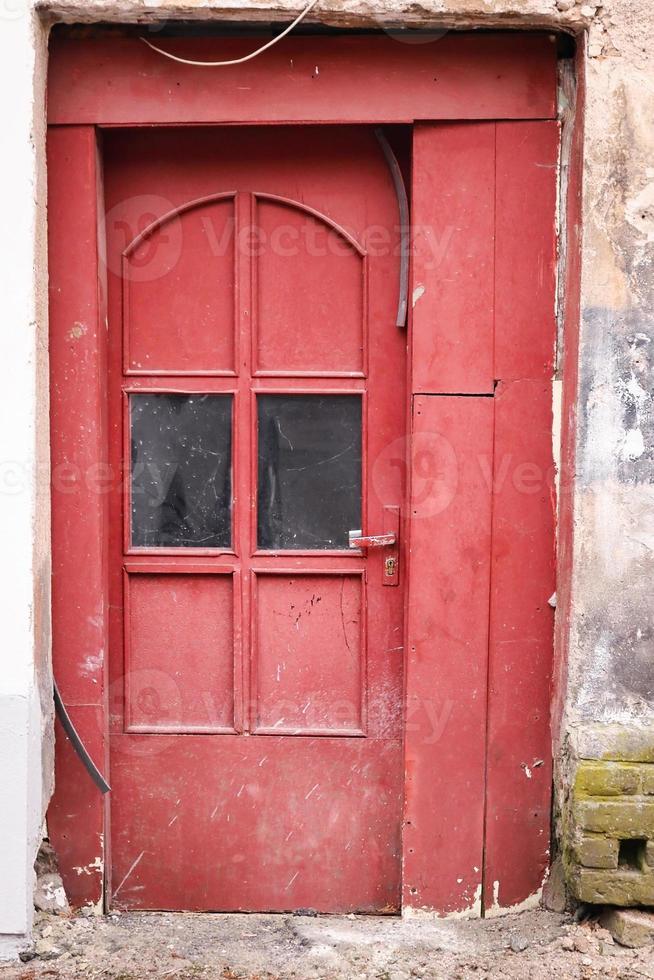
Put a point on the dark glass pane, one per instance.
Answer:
(181, 471)
(309, 470)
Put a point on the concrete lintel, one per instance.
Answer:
(469, 14)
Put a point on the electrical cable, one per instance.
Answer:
(77, 743)
(234, 61)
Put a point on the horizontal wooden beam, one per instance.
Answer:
(357, 79)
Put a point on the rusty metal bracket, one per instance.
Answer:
(78, 744)
(405, 229)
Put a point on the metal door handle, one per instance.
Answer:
(359, 540)
(389, 538)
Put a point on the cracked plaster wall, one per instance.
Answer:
(611, 662)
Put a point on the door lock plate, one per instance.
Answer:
(390, 566)
(391, 563)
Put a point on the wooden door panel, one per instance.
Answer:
(170, 787)
(519, 776)
(309, 654)
(448, 652)
(226, 822)
(76, 818)
(322, 79)
(484, 324)
(519, 772)
(484, 254)
(453, 262)
(180, 642)
(252, 650)
(301, 253)
(525, 251)
(179, 273)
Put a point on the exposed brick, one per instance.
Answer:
(622, 742)
(618, 818)
(555, 894)
(596, 852)
(608, 779)
(611, 801)
(629, 927)
(622, 887)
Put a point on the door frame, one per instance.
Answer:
(492, 80)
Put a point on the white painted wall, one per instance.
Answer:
(22, 528)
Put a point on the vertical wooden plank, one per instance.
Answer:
(453, 257)
(79, 484)
(522, 570)
(525, 249)
(447, 652)
(519, 770)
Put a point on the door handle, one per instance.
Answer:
(389, 538)
(358, 540)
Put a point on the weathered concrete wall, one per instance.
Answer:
(610, 660)
(612, 671)
(609, 705)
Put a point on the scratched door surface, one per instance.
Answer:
(256, 416)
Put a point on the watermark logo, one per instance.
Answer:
(148, 230)
(426, 464)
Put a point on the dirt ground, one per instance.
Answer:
(534, 944)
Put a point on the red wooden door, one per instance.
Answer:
(257, 379)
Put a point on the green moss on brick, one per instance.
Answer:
(607, 779)
(610, 801)
(612, 887)
(596, 851)
(620, 818)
